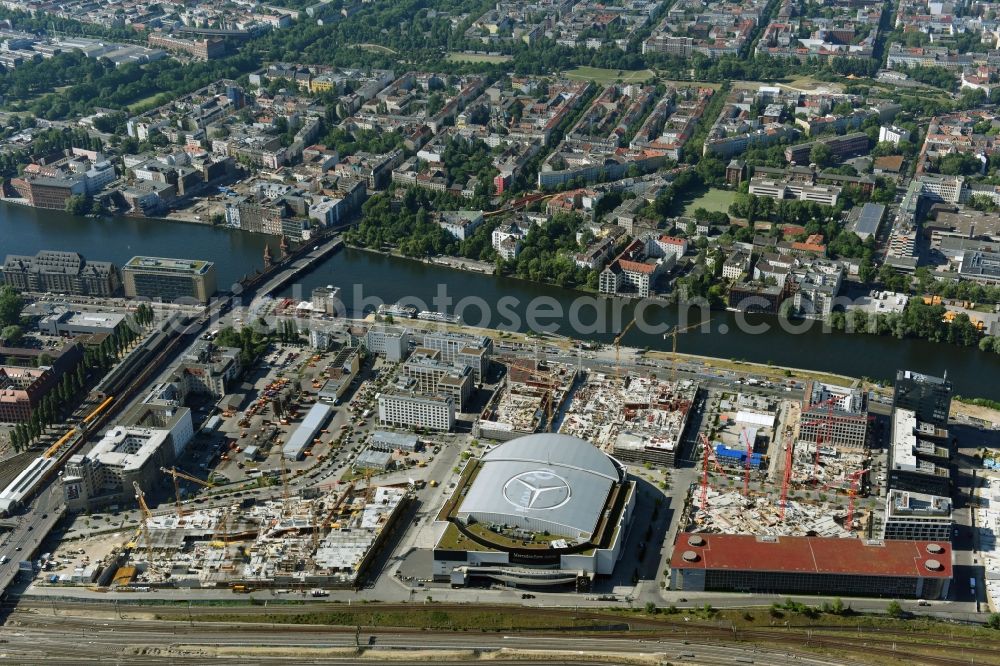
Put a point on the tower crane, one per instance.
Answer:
(852, 493)
(618, 346)
(147, 515)
(673, 351)
(285, 506)
(547, 383)
(787, 476)
(707, 455)
(178, 474)
(746, 472)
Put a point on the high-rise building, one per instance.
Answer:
(928, 397)
(61, 272)
(169, 279)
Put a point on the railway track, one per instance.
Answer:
(922, 648)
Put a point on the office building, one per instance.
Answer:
(399, 408)
(811, 565)
(207, 370)
(169, 280)
(927, 396)
(326, 301)
(835, 416)
(125, 454)
(471, 350)
(917, 517)
(393, 342)
(62, 273)
(918, 455)
(426, 372)
(841, 148)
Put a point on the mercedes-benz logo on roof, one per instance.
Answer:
(537, 489)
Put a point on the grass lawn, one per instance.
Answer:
(378, 48)
(459, 56)
(145, 102)
(711, 199)
(607, 76)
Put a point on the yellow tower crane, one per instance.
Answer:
(286, 508)
(176, 474)
(673, 353)
(147, 515)
(618, 347)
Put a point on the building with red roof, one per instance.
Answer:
(811, 565)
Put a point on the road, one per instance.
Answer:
(31, 529)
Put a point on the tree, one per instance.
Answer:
(11, 335)
(894, 609)
(77, 204)
(821, 155)
(11, 304)
(994, 621)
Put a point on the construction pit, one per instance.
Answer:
(743, 487)
(321, 542)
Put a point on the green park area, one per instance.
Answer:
(606, 76)
(711, 199)
(461, 56)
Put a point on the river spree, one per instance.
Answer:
(385, 279)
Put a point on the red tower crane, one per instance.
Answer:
(746, 471)
(707, 455)
(852, 493)
(825, 422)
(789, 446)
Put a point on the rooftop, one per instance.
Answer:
(162, 264)
(816, 555)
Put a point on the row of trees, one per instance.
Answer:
(917, 320)
(65, 395)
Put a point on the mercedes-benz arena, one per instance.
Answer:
(540, 510)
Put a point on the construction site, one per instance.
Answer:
(532, 394)
(634, 418)
(759, 476)
(317, 540)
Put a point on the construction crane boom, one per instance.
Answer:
(852, 493)
(618, 346)
(178, 474)
(147, 515)
(746, 473)
(787, 476)
(673, 350)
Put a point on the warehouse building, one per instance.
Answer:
(384, 440)
(302, 438)
(811, 565)
(540, 510)
(72, 324)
